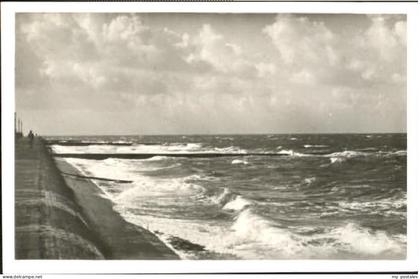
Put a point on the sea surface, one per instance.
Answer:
(329, 197)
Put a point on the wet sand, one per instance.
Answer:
(64, 217)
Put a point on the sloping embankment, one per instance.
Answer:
(66, 218)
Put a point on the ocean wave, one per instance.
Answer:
(102, 142)
(393, 153)
(383, 205)
(370, 149)
(347, 154)
(337, 160)
(292, 153)
(250, 227)
(212, 238)
(362, 241)
(222, 198)
(309, 180)
(342, 156)
(229, 149)
(228, 200)
(259, 238)
(252, 236)
(169, 189)
(158, 158)
(393, 206)
(322, 243)
(184, 146)
(237, 204)
(224, 138)
(400, 153)
(315, 145)
(239, 161)
(130, 167)
(147, 149)
(142, 185)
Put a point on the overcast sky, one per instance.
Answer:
(210, 73)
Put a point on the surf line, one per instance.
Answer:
(98, 178)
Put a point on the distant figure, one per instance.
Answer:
(31, 137)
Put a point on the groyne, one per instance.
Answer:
(66, 217)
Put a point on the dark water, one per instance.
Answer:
(331, 197)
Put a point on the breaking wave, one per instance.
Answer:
(259, 211)
(237, 204)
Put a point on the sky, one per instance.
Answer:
(87, 74)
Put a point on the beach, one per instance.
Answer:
(60, 217)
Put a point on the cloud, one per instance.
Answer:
(223, 56)
(265, 69)
(202, 78)
(312, 51)
(300, 40)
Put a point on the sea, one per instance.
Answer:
(268, 196)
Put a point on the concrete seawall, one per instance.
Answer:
(60, 217)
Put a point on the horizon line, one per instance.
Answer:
(226, 134)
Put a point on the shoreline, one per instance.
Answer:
(64, 217)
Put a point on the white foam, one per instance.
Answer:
(383, 205)
(253, 237)
(339, 157)
(347, 154)
(142, 185)
(309, 180)
(110, 168)
(222, 198)
(171, 190)
(229, 149)
(348, 239)
(355, 239)
(216, 238)
(337, 160)
(259, 232)
(239, 161)
(237, 204)
(400, 153)
(292, 153)
(249, 236)
(147, 149)
(158, 158)
(315, 145)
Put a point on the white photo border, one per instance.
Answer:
(10, 265)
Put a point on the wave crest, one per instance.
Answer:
(239, 161)
(237, 204)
